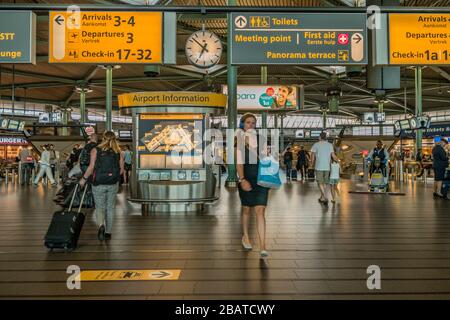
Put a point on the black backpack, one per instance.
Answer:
(85, 155)
(107, 168)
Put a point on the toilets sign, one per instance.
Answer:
(306, 38)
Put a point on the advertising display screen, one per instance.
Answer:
(125, 134)
(170, 141)
(369, 117)
(263, 97)
(300, 133)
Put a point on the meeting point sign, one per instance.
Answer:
(299, 38)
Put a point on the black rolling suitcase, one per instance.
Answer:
(65, 227)
(311, 174)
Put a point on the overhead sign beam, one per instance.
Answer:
(219, 9)
(298, 39)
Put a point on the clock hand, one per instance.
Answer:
(201, 53)
(198, 42)
(203, 50)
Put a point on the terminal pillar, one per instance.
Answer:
(109, 70)
(264, 81)
(83, 106)
(282, 132)
(232, 109)
(381, 110)
(324, 119)
(381, 77)
(418, 85)
(65, 114)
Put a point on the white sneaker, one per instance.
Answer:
(247, 246)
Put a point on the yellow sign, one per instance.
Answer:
(129, 275)
(171, 117)
(172, 98)
(259, 22)
(419, 39)
(105, 37)
(343, 55)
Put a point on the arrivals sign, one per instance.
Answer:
(299, 38)
(106, 37)
(419, 39)
(265, 97)
(17, 37)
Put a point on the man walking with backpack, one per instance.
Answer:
(106, 167)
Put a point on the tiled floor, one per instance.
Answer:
(315, 252)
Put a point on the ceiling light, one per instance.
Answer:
(116, 66)
(81, 89)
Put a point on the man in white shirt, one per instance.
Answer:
(321, 154)
(45, 167)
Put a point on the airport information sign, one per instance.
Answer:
(106, 37)
(299, 38)
(17, 37)
(419, 39)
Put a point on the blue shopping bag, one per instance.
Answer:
(269, 173)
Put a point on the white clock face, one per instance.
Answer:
(203, 49)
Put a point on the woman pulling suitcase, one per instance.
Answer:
(106, 167)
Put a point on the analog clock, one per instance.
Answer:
(203, 49)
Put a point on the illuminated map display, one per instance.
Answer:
(170, 141)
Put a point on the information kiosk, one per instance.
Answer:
(170, 167)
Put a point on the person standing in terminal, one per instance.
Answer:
(27, 162)
(302, 162)
(334, 179)
(53, 160)
(106, 166)
(127, 156)
(440, 163)
(45, 168)
(287, 158)
(322, 153)
(251, 194)
(85, 154)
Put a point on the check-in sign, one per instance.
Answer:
(419, 39)
(106, 37)
(17, 37)
(308, 38)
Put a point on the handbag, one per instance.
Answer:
(269, 173)
(75, 171)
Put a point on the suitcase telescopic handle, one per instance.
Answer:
(82, 197)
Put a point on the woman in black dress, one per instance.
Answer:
(251, 194)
